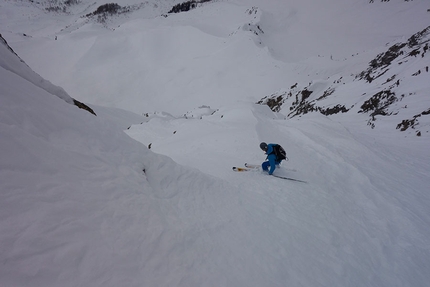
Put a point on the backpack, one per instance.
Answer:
(279, 152)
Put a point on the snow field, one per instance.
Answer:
(83, 204)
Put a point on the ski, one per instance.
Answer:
(251, 167)
(235, 168)
(289, 178)
(248, 168)
(258, 166)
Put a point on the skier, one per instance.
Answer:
(275, 154)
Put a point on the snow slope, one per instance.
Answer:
(83, 204)
(78, 209)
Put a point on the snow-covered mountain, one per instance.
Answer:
(389, 89)
(305, 54)
(342, 85)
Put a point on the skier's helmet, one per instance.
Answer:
(263, 146)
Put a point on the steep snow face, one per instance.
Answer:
(82, 204)
(80, 198)
(11, 62)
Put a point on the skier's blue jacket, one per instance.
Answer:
(271, 160)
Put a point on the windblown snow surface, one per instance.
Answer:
(84, 202)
